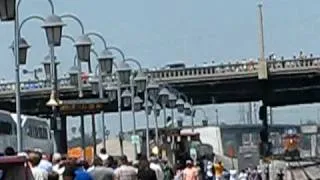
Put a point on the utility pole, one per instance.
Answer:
(318, 116)
(217, 117)
(263, 78)
(255, 110)
(250, 113)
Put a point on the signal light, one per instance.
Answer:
(263, 113)
(264, 136)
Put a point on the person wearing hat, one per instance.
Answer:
(190, 172)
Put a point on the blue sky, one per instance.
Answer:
(157, 32)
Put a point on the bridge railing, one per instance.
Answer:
(213, 72)
(302, 63)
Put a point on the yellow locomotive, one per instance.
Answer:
(291, 141)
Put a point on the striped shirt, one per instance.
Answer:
(125, 172)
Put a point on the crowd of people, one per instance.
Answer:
(105, 167)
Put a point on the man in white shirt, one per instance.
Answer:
(233, 174)
(243, 175)
(154, 165)
(45, 164)
(56, 162)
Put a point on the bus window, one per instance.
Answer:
(29, 131)
(5, 128)
(44, 133)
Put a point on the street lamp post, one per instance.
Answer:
(53, 27)
(172, 104)
(83, 47)
(153, 91)
(156, 113)
(138, 81)
(147, 109)
(123, 77)
(105, 62)
(164, 98)
(9, 11)
(47, 67)
(97, 85)
(104, 59)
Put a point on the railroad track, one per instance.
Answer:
(304, 169)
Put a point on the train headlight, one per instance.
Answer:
(291, 141)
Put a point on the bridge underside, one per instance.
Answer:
(282, 90)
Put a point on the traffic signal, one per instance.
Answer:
(263, 113)
(264, 136)
(265, 149)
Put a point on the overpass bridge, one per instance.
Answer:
(291, 81)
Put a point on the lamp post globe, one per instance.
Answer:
(25, 71)
(180, 122)
(164, 96)
(180, 105)
(7, 10)
(172, 100)
(205, 122)
(23, 50)
(187, 109)
(124, 72)
(140, 81)
(126, 97)
(148, 107)
(47, 65)
(111, 91)
(153, 89)
(107, 132)
(137, 103)
(94, 81)
(105, 60)
(73, 74)
(53, 25)
(83, 45)
(157, 109)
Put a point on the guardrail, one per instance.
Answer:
(214, 72)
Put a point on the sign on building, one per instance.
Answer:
(309, 129)
(135, 139)
(193, 154)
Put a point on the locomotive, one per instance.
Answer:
(291, 141)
